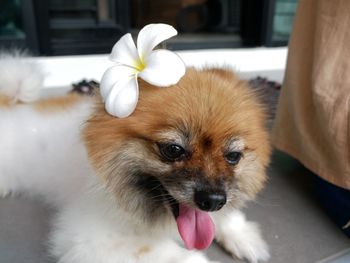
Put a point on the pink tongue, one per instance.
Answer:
(196, 227)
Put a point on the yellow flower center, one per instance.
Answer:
(140, 65)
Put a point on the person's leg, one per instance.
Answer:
(336, 202)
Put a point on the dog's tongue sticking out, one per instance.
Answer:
(196, 227)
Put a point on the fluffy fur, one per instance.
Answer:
(113, 191)
(26, 87)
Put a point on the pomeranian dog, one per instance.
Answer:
(157, 186)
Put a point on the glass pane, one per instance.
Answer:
(72, 3)
(200, 23)
(73, 9)
(188, 15)
(283, 19)
(11, 26)
(105, 11)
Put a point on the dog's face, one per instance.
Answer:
(201, 144)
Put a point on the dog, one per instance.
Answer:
(156, 186)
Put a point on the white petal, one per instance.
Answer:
(152, 35)
(125, 52)
(122, 100)
(163, 68)
(112, 76)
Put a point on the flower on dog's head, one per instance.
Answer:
(119, 86)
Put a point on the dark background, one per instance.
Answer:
(70, 27)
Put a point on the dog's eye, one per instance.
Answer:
(172, 152)
(233, 157)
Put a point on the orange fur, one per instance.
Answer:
(210, 105)
(5, 101)
(142, 251)
(49, 105)
(58, 103)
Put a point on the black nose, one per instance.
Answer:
(208, 201)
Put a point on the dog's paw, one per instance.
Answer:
(249, 246)
(243, 239)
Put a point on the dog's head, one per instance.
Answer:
(196, 146)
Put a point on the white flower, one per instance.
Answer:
(119, 86)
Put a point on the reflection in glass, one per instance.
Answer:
(283, 19)
(11, 20)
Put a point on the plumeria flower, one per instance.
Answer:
(119, 86)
